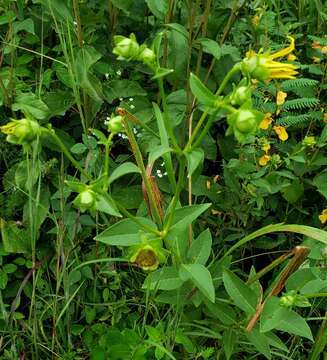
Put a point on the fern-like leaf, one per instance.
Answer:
(289, 85)
(302, 103)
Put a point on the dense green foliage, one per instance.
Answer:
(163, 189)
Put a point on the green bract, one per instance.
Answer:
(240, 95)
(147, 56)
(116, 124)
(22, 131)
(244, 122)
(148, 254)
(126, 48)
(86, 200)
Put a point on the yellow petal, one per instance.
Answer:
(281, 132)
(264, 160)
(291, 57)
(286, 51)
(8, 128)
(280, 98)
(267, 120)
(324, 49)
(323, 216)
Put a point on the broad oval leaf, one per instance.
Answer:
(166, 278)
(124, 232)
(123, 169)
(201, 278)
(243, 296)
(200, 248)
(201, 92)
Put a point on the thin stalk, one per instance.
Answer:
(180, 181)
(66, 152)
(320, 341)
(106, 160)
(222, 86)
(166, 117)
(139, 160)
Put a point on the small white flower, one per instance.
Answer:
(118, 72)
(165, 173)
(138, 135)
(159, 173)
(106, 75)
(135, 131)
(75, 23)
(162, 164)
(108, 118)
(132, 107)
(121, 99)
(131, 99)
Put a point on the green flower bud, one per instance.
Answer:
(126, 48)
(86, 200)
(287, 300)
(246, 121)
(115, 124)
(148, 254)
(240, 95)
(147, 56)
(22, 131)
(309, 141)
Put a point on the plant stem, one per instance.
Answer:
(139, 160)
(66, 152)
(166, 117)
(181, 174)
(320, 341)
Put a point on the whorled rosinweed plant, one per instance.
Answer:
(162, 241)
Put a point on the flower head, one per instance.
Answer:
(264, 160)
(323, 216)
(148, 254)
(267, 120)
(264, 67)
(281, 132)
(280, 98)
(22, 131)
(85, 200)
(126, 48)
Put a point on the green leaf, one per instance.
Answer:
(200, 248)
(157, 152)
(106, 204)
(184, 216)
(166, 278)
(31, 105)
(275, 316)
(162, 72)
(260, 342)
(14, 240)
(317, 234)
(201, 92)
(221, 311)
(293, 192)
(78, 148)
(25, 25)
(201, 278)
(194, 159)
(122, 89)
(123, 169)
(84, 58)
(59, 102)
(242, 295)
(124, 232)
(158, 7)
(211, 47)
(229, 340)
(320, 181)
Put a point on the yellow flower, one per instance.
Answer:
(281, 132)
(255, 20)
(324, 49)
(264, 67)
(316, 60)
(291, 57)
(323, 216)
(267, 120)
(216, 212)
(264, 160)
(280, 98)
